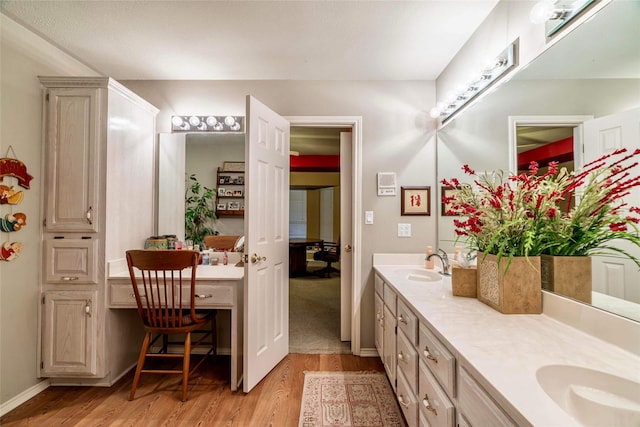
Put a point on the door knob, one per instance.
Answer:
(256, 258)
(347, 248)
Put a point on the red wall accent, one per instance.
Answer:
(306, 163)
(559, 151)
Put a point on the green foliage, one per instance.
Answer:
(200, 214)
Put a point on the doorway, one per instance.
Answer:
(315, 293)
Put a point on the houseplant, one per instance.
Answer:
(200, 214)
(521, 215)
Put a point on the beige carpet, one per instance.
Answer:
(337, 399)
(314, 315)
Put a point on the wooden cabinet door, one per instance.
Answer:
(72, 123)
(389, 342)
(69, 334)
(70, 261)
(379, 331)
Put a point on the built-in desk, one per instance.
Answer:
(217, 287)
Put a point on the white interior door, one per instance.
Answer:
(615, 276)
(266, 225)
(346, 235)
(171, 184)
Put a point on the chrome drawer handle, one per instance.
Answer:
(401, 319)
(402, 402)
(204, 296)
(69, 278)
(428, 355)
(426, 404)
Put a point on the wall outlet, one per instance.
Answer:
(404, 230)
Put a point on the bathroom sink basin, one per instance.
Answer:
(419, 275)
(593, 397)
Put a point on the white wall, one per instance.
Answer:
(24, 56)
(398, 136)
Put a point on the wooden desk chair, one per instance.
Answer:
(166, 304)
(220, 243)
(330, 253)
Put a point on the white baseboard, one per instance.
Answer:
(18, 400)
(368, 352)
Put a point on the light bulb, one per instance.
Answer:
(194, 120)
(236, 126)
(434, 112)
(541, 11)
(211, 121)
(229, 121)
(177, 121)
(218, 126)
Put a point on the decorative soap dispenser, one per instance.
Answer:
(429, 262)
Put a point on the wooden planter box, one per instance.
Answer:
(516, 291)
(464, 281)
(569, 276)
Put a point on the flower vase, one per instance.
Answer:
(568, 276)
(510, 287)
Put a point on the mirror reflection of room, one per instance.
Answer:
(569, 87)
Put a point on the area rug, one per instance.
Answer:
(358, 399)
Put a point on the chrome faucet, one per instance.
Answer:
(445, 262)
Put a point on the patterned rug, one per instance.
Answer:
(336, 399)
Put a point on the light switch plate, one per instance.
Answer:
(368, 217)
(404, 230)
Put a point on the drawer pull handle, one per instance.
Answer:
(69, 278)
(403, 357)
(401, 319)
(204, 296)
(426, 404)
(428, 355)
(402, 402)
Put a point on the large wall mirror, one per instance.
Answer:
(592, 72)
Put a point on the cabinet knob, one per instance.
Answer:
(401, 319)
(204, 296)
(402, 402)
(69, 278)
(428, 355)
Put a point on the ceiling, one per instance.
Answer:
(257, 40)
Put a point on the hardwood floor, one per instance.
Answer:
(273, 402)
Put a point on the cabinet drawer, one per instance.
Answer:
(379, 285)
(121, 295)
(408, 322)
(389, 297)
(408, 361)
(439, 360)
(407, 401)
(70, 261)
(433, 401)
(210, 295)
(477, 406)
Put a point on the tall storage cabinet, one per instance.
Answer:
(98, 202)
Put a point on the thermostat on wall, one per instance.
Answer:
(386, 183)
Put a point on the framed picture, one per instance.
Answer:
(237, 193)
(228, 193)
(233, 166)
(221, 207)
(446, 192)
(415, 201)
(221, 191)
(233, 206)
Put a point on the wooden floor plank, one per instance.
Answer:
(275, 401)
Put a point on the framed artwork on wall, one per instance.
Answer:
(415, 201)
(233, 166)
(445, 194)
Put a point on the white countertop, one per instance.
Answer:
(116, 270)
(506, 350)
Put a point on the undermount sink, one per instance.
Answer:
(419, 275)
(593, 397)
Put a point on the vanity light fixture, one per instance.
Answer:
(491, 73)
(207, 124)
(557, 13)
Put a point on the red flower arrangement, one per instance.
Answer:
(556, 213)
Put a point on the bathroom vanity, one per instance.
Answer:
(454, 361)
